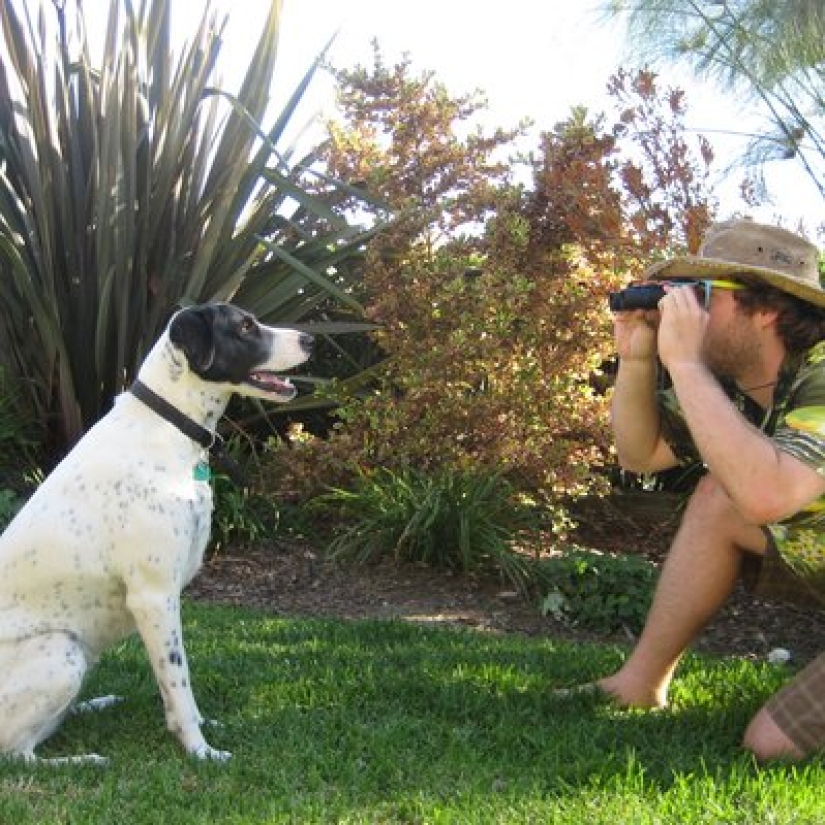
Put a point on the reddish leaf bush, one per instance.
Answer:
(491, 295)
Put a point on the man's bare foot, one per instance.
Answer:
(626, 694)
(611, 690)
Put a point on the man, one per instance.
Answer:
(745, 354)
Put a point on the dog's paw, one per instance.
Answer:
(99, 703)
(208, 752)
(86, 759)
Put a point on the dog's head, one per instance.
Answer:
(227, 345)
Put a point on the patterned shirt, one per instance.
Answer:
(796, 423)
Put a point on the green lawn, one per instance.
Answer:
(386, 722)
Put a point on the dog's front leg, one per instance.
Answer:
(157, 616)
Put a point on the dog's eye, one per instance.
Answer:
(248, 326)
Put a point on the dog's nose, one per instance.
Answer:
(306, 341)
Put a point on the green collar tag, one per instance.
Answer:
(202, 472)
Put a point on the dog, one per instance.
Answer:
(109, 540)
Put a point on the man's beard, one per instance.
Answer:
(737, 355)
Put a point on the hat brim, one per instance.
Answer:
(694, 267)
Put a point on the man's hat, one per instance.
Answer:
(751, 251)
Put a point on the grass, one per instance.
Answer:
(387, 722)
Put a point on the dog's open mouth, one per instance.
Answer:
(270, 383)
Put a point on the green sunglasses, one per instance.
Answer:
(709, 285)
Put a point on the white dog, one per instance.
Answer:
(106, 544)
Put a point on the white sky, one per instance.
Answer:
(532, 58)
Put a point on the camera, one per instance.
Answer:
(636, 296)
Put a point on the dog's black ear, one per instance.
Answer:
(192, 331)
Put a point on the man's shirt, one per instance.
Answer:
(796, 424)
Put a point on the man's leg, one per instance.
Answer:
(791, 725)
(767, 741)
(698, 576)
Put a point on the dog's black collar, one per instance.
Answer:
(210, 441)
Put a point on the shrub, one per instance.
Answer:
(462, 521)
(19, 471)
(240, 516)
(9, 505)
(597, 591)
(490, 296)
(243, 509)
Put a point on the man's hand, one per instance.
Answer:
(635, 334)
(635, 414)
(682, 326)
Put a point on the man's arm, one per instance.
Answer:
(636, 421)
(634, 411)
(766, 483)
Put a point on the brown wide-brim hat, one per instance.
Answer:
(748, 251)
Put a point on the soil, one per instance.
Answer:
(291, 578)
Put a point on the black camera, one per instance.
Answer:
(636, 296)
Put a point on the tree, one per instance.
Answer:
(664, 178)
(773, 53)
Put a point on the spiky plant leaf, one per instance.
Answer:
(136, 185)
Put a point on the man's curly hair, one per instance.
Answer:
(799, 324)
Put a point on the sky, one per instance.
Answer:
(531, 58)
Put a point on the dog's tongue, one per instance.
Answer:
(269, 382)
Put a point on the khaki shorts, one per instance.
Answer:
(798, 708)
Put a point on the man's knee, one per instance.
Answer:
(768, 742)
(712, 513)
(709, 497)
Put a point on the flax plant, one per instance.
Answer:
(135, 185)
